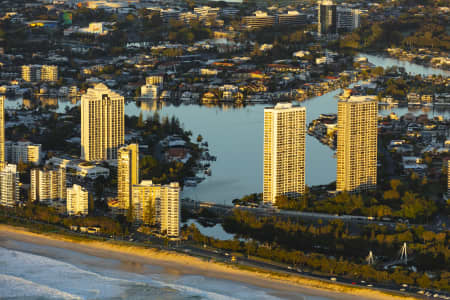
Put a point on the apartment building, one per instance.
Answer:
(25, 152)
(9, 186)
(160, 204)
(77, 201)
(102, 123)
(357, 144)
(48, 185)
(127, 173)
(284, 151)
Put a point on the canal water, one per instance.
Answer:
(235, 137)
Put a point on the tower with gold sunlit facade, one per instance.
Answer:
(357, 144)
(284, 151)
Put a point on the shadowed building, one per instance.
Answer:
(327, 18)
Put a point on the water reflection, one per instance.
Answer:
(215, 231)
(235, 136)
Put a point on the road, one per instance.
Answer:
(265, 211)
(212, 254)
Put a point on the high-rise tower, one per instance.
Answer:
(327, 18)
(127, 173)
(284, 151)
(357, 144)
(102, 123)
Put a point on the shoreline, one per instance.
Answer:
(189, 265)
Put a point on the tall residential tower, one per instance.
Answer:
(284, 151)
(327, 18)
(102, 123)
(357, 144)
(127, 173)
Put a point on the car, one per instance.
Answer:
(404, 285)
(333, 278)
(362, 281)
(353, 282)
(289, 267)
(402, 290)
(370, 285)
(420, 292)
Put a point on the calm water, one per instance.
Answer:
(235, 136)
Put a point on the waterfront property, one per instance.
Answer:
(284, 152)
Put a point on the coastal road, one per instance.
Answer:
(224, 210)
(210, 254)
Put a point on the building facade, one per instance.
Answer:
(102, 123)
(284, 151)
(127, 173)
(357, 144)
(448, 178)
(259, 20)
(157, 80)
(155, 203)
(35, 73)
(49, 73)
(77, 200)
(31, 73)
(327, 18)
(2, 131)
(348, 19)
(48, 185)
(25, 152)
(149, 91)
(9, 186)
(292, 17)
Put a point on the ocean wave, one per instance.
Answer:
(29, 275)
(16, 287)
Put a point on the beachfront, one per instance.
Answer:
(172, 263)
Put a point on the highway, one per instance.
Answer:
(212, 254)
(224, 210)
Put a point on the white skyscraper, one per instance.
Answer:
(284, 151)
(9, 185)
(102, 123)
(77, 200)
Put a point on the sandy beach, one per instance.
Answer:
(175, 263)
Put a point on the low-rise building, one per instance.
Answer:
(48, 185)
(9, 186)
(77, 201)
(158, 204)
(25, 152)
